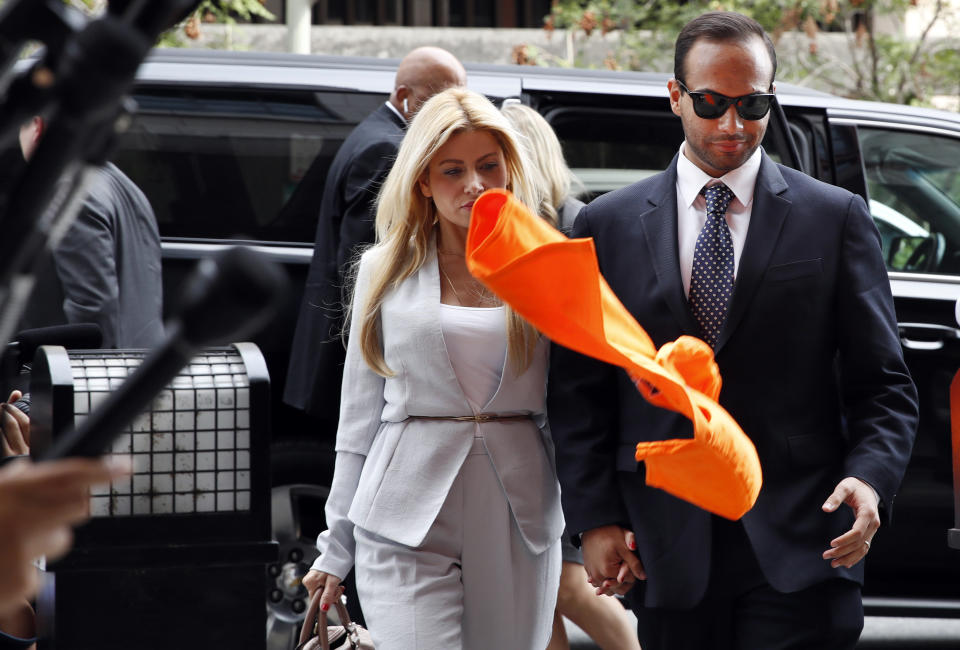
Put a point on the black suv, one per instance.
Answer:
(234, 147)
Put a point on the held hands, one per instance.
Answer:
(853, 545)
(612, 566)
(330, 584)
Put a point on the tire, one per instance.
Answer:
(300, 474)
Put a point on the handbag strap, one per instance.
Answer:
(315, 616)
(318, 616)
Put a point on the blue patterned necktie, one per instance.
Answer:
(711, 280)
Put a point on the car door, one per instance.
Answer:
(911, 180)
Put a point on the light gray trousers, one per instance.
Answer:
(472, 585)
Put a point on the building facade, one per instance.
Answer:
(424, 13)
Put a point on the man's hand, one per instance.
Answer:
(853, 545)
(612, 566)
(38, 504)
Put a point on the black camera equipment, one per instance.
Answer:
(16, 358)
(78, 84)
(228, 297)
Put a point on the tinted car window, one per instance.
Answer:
(611, 148)
(229, 165)
(616, 147)
(913, 180)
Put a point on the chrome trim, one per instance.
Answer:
(940, 333)
(277, 253)
(929, 287)
(953, 332)
(902, 126)
(924, 607)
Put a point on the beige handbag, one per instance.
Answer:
(317, 635)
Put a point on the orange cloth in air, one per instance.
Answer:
(555, 284)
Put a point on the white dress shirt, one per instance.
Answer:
(395, 111)
(692, 208)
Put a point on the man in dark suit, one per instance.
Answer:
(108, 263)
(783, 276)
(347, 212)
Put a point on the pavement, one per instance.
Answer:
(878, 632)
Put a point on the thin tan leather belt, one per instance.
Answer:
(481, 417)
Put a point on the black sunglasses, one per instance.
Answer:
(710, 105)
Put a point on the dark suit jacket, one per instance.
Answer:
(346, 223)
(107, 269)
(812, 370)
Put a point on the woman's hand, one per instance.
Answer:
(14, 428)
(330, 584)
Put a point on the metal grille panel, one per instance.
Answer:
(191, 450)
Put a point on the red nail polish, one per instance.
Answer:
(325, 606)
(633, 545)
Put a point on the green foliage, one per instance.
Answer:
(828, 44)
(209, 11)
(227, 11)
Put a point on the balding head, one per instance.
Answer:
(423, 73)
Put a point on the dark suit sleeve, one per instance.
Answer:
(582, 405)
(879, 396)
(365, 176)
(85, 260)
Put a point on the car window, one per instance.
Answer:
(220, 164)
(607, 149)
(610, 148)
(913, 180)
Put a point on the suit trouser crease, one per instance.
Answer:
(473, 583)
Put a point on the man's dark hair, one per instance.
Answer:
(719, 26)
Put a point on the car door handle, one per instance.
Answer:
(926, 336)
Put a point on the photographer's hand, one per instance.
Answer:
(14, 428)
(38, 504)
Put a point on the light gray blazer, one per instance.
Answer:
(392, 473)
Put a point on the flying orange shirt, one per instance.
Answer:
(555, 284)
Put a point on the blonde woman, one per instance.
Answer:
(444, 494)
(603, 619)
(557, 201)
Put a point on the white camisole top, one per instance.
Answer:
(476, 340)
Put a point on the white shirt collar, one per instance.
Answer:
(742, 180)
(394, 109)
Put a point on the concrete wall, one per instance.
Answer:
(476, 45)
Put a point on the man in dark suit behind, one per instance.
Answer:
(788, 285)
(347, 212)
(107, 266)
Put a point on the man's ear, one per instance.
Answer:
(673, 87)
(403, 94)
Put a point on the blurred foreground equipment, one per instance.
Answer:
(173, 556)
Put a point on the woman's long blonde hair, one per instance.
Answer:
(405, 217)
(545, 149)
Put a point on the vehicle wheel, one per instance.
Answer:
(299, 475)
(295, 510)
